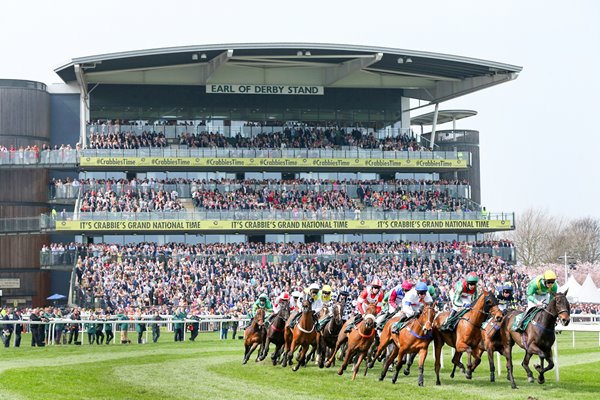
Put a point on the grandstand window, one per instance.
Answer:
(284, 238)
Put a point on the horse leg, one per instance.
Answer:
(456, 362)
(349, 354)
(525, 365)
(548, 358)
(437, 346)
(290, 354)
(265, 350)
(490, 353)
(422, 357)
(410, 359)
(252, 348)
(246, 350)
(398, 365)
(509, 366)
(301, 357)
(382, 346)
(331, 360)
(386, 365)
(469, 373)
(361, 356)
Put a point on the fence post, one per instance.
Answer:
(556, 367)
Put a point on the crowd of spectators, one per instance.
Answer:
(304, 138)
(247, 197)
(218, 278)
(130, 201)
(126, 140)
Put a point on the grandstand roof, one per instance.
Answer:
(422, 75)
(443, 117)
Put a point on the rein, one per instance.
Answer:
(373, 331)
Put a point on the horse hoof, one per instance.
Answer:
(406, 372)
(420, 383)
(468, 376)
(380, 379)
(541, 381)
(514, 386)
(340, 372)
(394, 381)
(438, 383)
(451, 376)
(530, 379)
(295, 367)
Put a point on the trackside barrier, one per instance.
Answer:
(208, 323)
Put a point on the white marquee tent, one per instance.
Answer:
(585, 293)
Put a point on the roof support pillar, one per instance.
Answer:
(434, 125)
(405, 114)
(84, 105)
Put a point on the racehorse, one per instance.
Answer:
(275, 333)
(359, 341)
(254, 335)
(538, 337)
(327, 337)
(413, 338)
(467, 335)
(303, 335)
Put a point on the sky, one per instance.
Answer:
(538, 135)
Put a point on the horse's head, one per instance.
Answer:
(338, 313)
(369, 316)
(490, 305)
(426, 318)
(284, 310)
(306, 303)
(259, 318)
(563, 308)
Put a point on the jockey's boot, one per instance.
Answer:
(446, 326)
(294, 320)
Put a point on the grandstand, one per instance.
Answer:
(249, 145)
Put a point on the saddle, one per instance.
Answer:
(398, 326)
(522, 320)
(451, 322)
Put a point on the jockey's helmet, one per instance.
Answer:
(550, 276)
(313, 290)
(296, 294)
(407, 285)
(421, 287)
(472, 277)
(376, 285)
(285, 296)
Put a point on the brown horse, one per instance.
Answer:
(327, 337)
(467, 335)
(303, 335)
(538, 337)
(412, 339)
(359, 341)
(275, 333)
(254, 335)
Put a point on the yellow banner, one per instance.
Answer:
(286, 225)
(313, 163)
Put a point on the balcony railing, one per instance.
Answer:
(68, 257)
(185, 190)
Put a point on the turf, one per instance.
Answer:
(211, 368)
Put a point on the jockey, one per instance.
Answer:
(372, 295)
(344, 299)
(294, 302)
(282, 298)
(279, 300)
(316, 304)
(264, 303)
(395, 297)
(541, 290)
(413, 303)
(506, 298)
(325, 296)
(465, 291)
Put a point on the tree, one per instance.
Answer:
(584, 239)
(536, 236)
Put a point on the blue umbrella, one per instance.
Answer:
(56, 296)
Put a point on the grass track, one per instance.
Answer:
(210, 368)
